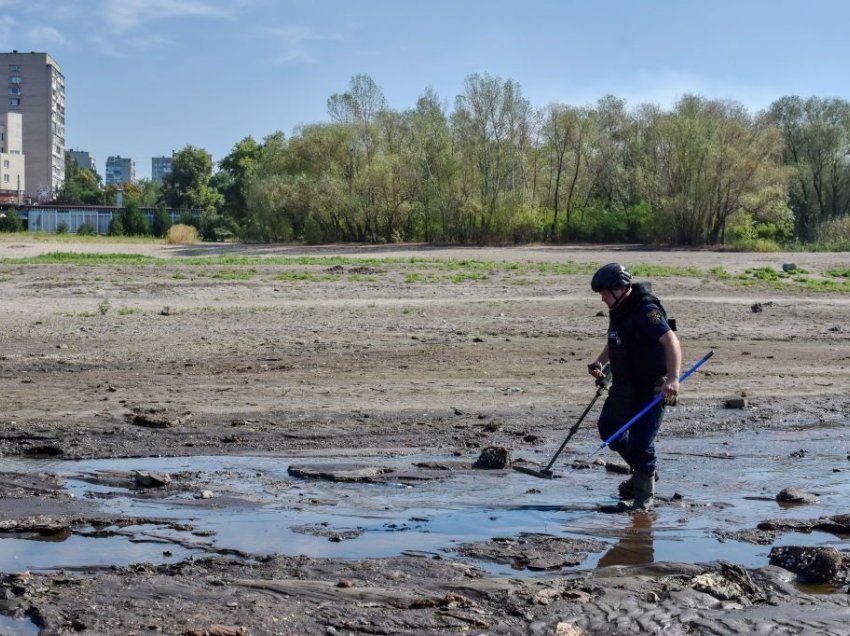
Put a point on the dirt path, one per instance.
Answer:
(414, 348)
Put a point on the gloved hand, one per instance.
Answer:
(670, 390)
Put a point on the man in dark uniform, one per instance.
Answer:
(645, 358)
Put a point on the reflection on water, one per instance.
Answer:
(258, 508)
(635, 547)
(17, 626)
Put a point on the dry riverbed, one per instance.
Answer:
(366, 372)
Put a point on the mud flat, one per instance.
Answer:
(277, 440)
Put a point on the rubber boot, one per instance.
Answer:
(644, 484)
(627, 488)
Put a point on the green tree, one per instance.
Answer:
(150, 193)
(188, 184)
(81, 185)
(816, 133)
(491, 125)
(161, 222)
(327, 156)
(435, 199)
(565, 133)
(709, 160)
(234, 177)
(133, 221)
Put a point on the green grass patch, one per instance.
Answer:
(306, 276)
(80, 258)
(413, 277)
(719, 272)
(462, 277)
(659, 271)
(126, 311)
(234, 274)
(837, 272)
(764, 274)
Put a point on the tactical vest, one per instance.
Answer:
(635, 357)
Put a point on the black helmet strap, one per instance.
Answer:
(619, 298)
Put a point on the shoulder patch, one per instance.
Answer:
(655, 316)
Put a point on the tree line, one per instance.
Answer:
(494, 169)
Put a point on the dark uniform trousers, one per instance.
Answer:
(637, 444)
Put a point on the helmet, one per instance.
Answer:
(611, 276)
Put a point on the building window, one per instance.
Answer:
(14, 79)
(5, 178)
(14, 68)
(15, 90)
(14, 101)
(5, 163)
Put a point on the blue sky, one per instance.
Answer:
(145, 77)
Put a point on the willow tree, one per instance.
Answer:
(710, 159)
(565, 132)
(490, 125)
(816, 132)
(436, 197)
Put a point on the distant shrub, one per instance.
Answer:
(62, 227)
(754, 245)
(134, 220)
(833, 235)
(10, 221)
(180, 234)
(116, 226)
(215, 227)
(312, 231)
(161, 222)
(86, 229)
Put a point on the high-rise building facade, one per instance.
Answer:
(84, 159)
(36, 90)
(160, 167)
(12, 170)
(119, 170)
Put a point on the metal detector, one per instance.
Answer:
(546, 473)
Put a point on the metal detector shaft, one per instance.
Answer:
(602, 384)
(657, 399)
(546, 473)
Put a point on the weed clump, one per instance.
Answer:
(180, 234)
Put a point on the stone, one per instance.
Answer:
(151, 480)
(795, 495)
(493, 458)
(810, 564)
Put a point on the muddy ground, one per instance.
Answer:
(414, 349)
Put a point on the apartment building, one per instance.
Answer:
(160, 167)
(84, 159)
(119, 170)
(12, 169)
(36, 90)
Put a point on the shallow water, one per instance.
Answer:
(266, 510)
(17, 626)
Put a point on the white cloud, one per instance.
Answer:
(45, 35)
(122, 16)
(293, 42)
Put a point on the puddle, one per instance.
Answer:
(258, 508)
(17, 626)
